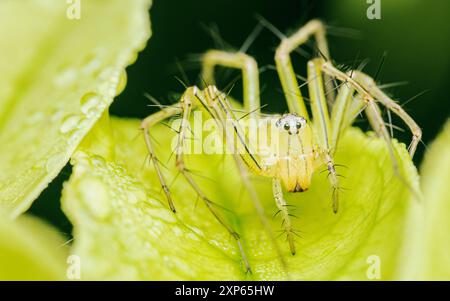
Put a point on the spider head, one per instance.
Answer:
(294, 152)
(291, 123)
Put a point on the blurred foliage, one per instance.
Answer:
(435, 179)
(58, 76)
(31, 250)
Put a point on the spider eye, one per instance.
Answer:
(286, 127)
(298, 125)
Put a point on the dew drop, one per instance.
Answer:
(181, 266)
(135, 196)
(83, 123)
(152, 202)
(69, 123)
(56, 115)
(133, 58)
(105, 88)
(106, 73)
(95, 196)
(177, 231)
(92, 66)
(192, 236)
(197, 231)
(122, 82)
(90, 103)
(65, 77)
(214, 243)
(162, 214)
(98, 161)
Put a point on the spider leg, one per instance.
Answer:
(368, 90)
(283, 209)
(187, 101)
(146, 124)
(371, 108)
(286, 72)
(341, 114)
(238, 60)
(374, 115)
(322, 124)
(246, 160)
(370, 86)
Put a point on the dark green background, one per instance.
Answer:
(414, 34)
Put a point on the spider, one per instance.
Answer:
(304, 142)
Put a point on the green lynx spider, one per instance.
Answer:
(316, 139)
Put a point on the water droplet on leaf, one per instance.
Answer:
(65, 77)
(90, 103)
(69, 123)
(98, 161)
(122, 82)
(95, 196)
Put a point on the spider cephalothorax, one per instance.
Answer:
(292, 153)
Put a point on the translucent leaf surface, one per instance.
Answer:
(57, 75)
(435, 181)
(123, 229)
(31, 250)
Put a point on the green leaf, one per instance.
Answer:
(57, 76)
(123, 229)
(435, 179)
(31, 250)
